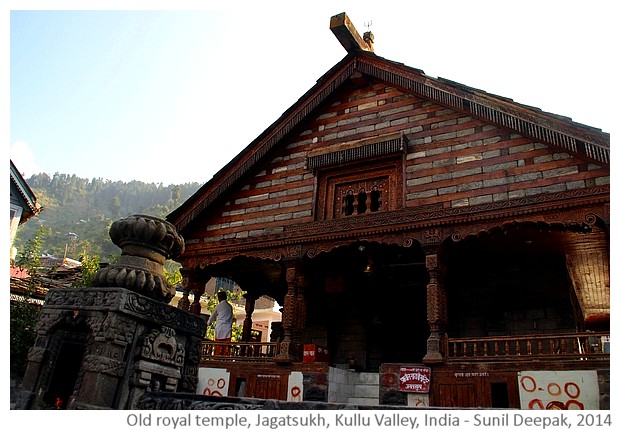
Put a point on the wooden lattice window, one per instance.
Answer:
(360, 190)
(362, 197)
(359, 178)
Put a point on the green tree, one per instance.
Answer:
(88, 207)
(90, 265)
(24, 316)
(172, 272)
(115, 206)
(30, 257)
(175, 196)
(24, 313)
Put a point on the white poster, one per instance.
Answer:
(559, 389)
(213, 381)
(295, 387)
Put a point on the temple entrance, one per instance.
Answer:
(367, 305)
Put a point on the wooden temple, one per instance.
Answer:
(412, 228)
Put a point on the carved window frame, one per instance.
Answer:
(378, 163)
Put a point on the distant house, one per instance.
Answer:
(56, 272)
(23, 205)
(430, 243)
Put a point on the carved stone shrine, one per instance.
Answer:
(103, 347)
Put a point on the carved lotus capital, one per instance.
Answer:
(147, 236)
(146, 243)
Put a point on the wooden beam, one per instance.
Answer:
(347, 35)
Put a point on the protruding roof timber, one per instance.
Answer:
(347, 35)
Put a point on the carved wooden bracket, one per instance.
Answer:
(429, 228)
(583, 218)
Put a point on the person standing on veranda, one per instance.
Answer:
(222, 316)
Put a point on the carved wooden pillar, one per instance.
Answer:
(194, 282)
(436, 303)
(290, 345)
(195, 307)
(435, 310)
(300, 311)
(184, 301)
(250, 302)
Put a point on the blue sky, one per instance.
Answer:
(173, 95)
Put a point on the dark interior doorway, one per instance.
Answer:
(367, 304)
(499, 395)
(65, 373)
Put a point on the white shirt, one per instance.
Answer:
(223, 316)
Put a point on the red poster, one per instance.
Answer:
(414, 379)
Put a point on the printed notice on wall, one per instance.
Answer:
(414, 379)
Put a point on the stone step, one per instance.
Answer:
(366, 391)
(363, 401)
(366, 378)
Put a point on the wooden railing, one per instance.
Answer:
(572, 345)
(238, 351)
(504, 348)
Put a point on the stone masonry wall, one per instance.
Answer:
(452, 160)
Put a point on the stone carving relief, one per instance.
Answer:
(162, 346)
(101, 325)
(162, 313)
(189, 373)
(114, 328)
(83, 298)
(102, 364)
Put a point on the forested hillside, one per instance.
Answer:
(77, 212)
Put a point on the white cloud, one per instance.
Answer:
(22, 157)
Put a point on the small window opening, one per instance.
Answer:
(361, 201)
(349, 202)
(363, 197)
(375, 199)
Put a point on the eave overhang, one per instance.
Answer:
(27, 195)
(575, 209)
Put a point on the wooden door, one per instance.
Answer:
(461, 395)
(270, 387)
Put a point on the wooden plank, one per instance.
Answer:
(347, 35)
